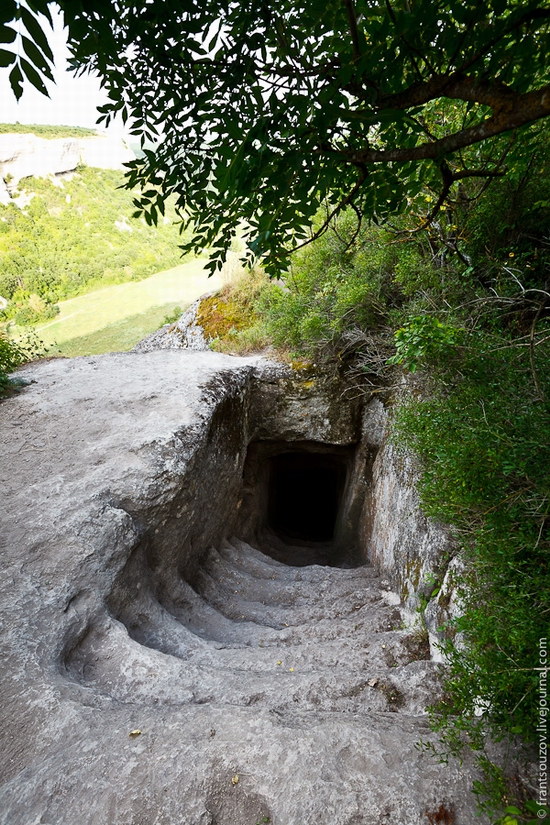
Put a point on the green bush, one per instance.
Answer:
(336, 284)
(484, 439)
(10, 359)
(424, 339)
(15, 353)
(371, 280)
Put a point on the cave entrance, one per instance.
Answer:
(304, 496)
(298, 503)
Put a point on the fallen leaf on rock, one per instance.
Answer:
(291, 670)
(235, 780)
(135, 732)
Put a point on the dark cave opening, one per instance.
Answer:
(299, 502)
(304, 495)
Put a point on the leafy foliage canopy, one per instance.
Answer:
(263, 111)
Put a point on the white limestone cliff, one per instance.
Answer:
(26, 155)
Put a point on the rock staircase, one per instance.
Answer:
(301, 685)
(252, 691)
(250, 630)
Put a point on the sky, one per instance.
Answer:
(73, 101)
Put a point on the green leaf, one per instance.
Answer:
(16, 81)
(8, 10)
(6, 58)
(35, 55)
(34, 29)
(41, 7)
(33, 77)
(7, 34)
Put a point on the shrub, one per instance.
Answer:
(424, 339)
(483, 436)
(331, 287)
(13, 354)
(369, 280)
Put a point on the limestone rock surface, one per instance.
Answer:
(159, 670)
(184, 334)
(411, 551)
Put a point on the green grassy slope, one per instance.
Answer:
(117, 337)
(118, 316)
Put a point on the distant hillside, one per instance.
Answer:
(62, 237)
(44, 131)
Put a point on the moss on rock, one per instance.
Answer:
(217, 316)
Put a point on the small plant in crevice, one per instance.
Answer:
(418, 645)
(394, 696)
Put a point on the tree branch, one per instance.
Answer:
(457, 86)
(511, 111)
(448, 179)
(353, 29)
(348, 199)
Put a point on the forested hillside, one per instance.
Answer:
(72, 234)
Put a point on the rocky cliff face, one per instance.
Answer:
(25, 155)
(175, 649)
(412, 552)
